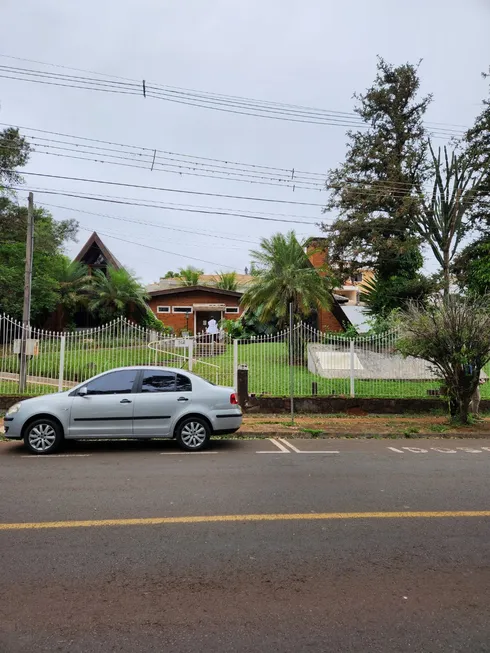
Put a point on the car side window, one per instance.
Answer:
(158, 382)
(183, 384)
(113, 383)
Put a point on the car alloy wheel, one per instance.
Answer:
(42, 437)
(193, 434)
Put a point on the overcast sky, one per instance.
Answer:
(315, 53)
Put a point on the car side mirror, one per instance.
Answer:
(83, 391)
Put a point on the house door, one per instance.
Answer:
(202, 319)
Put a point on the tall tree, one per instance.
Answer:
(284, 275)
(476, 146)
(472, 268)
(446, 215)
(373, 190)
(190, 276)
(14, 153)
(115, 294)
(50, 237)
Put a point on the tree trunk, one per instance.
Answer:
(446, 276)
(463, 411)
(460, 401)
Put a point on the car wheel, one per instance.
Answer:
(193, 434)
(43, 436)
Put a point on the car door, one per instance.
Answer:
(106, 410)
(162, 398)
(154, 404)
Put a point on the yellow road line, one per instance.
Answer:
(213, 519)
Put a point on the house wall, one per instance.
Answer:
(178, 320)
(327, 321)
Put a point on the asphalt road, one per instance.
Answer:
(338, 576)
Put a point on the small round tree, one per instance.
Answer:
(453, 334)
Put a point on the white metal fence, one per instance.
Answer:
(305, 362)
(57, 361)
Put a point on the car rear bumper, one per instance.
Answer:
(228, 422)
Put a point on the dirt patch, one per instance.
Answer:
(363, 426)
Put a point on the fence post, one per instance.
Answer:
(242, 386)
(352, 386)
(235, 365)
(62, 363)
(190, 352)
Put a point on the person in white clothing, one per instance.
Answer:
(212, 328)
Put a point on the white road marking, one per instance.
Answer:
(288, 444)
(417, 450)
(296, 450)
(278, 445)
(186, 453)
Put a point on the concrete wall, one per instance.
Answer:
(9, 400)
(326, 405)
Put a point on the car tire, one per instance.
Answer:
(43, 436)
(193, 434)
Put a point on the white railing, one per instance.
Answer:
(305, 362)
(311, 362)
(57, 361)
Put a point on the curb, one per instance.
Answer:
(292, 435)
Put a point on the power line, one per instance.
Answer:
(136, 202)
(202, 99)
(153, 224)
(174, 190)
(253, 173)
(265, 102)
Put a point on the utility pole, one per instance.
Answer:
(291, 360)
(26, 313)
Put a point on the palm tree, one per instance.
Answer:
(190, 276)
(227, 281)
(114, 294)
(285, 275)
(71, 276)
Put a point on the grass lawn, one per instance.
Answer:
(269, 373)
(12, 388)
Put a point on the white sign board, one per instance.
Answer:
(32, 347)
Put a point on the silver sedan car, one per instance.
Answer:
(129, 402)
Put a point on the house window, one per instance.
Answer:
(163, 309)
(232, 309)
(181, 309)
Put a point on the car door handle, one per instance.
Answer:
(182, 399)
(125, 401)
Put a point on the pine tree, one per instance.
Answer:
(375, 190)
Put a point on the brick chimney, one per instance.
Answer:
(317, 252)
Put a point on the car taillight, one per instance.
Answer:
(233, 399)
